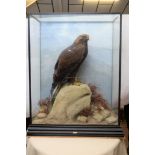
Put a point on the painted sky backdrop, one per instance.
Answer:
(97, 67)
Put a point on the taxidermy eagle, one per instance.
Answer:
(69, 62)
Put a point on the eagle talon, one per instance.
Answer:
(77, 82)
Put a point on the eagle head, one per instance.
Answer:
(81, 39)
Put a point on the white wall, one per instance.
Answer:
(125, 61)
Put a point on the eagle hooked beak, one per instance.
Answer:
(87, 36)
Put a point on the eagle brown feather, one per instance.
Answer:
(69, 61)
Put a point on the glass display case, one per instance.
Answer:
(74, 74)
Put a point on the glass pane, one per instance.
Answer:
(85, 86)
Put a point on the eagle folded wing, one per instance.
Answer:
(69, 61)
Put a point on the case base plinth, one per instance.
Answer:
(75, 130)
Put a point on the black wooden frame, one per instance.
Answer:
(89, 130)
